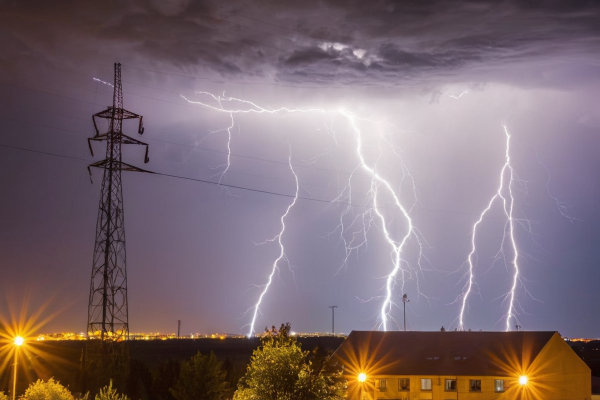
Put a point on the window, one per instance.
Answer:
(425, 384)
(450, 385)
(498, 385)
(383, 385)
(403, 384)
(475, 385)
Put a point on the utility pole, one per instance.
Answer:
(333, 319)
(178, 328)
(108, 321)
(404, 301)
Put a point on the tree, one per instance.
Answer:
(50, 390)
(278, 370)
(3, 396)
(201, 378)
(110, 393)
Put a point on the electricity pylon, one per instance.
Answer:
(108, 322)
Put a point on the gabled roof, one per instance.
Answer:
(440, 353)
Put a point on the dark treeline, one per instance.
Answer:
(153, 367)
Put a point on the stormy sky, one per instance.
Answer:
(427, 87)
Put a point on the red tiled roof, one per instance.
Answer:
(440, 353)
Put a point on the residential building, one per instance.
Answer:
(461, 365)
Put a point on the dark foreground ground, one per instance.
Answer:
(62, 360)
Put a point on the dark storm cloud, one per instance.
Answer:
(331, 42)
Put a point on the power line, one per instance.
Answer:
(191, 179)
(42, 152)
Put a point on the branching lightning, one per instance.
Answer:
(104, 82)
(400, 268)
(505, 194)
(396, 245)
(281, 256)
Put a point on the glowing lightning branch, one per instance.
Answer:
(511, 226)
(397, 246)
(281, 250)
(364, 220)
(508, 207)
(101, 81)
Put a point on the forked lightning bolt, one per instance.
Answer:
(396, 245)
(282, 256)
(374, 211)
(505, 195)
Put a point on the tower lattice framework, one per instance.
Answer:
(108, 321)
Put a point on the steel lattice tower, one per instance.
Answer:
(108, 320)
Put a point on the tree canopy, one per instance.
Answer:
(279, 370)
(49, 390)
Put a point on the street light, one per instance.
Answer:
(523, 380)
(18, 342)
(362, 377)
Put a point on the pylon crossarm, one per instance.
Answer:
(128, 167)
(129, 140)
(107, 114)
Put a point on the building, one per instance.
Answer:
(461, 365)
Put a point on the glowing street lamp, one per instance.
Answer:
(18, 343)
(362, 377)
(522, 380)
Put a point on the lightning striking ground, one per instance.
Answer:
(397, 245)
(400, 268)
(282, 256)
(507, 173)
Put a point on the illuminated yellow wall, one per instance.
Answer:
(558, 373)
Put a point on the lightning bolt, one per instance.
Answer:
(400, 268)
(460, 95)
(507, 173)
(101, 81)
(397, 246)
(282, 255)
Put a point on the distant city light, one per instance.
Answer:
(523, 380)
(19, 340)
(362, 377)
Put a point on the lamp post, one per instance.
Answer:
(333, 319)
(404, 301)
(18, 343)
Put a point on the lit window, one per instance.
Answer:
(498, 385)
(475, 385)
(450, 385)
(426, 384)
(383, 385)
(403, 384)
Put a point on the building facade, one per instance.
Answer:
(461, 365)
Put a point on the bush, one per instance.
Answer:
(50, 390)
(110, 393)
